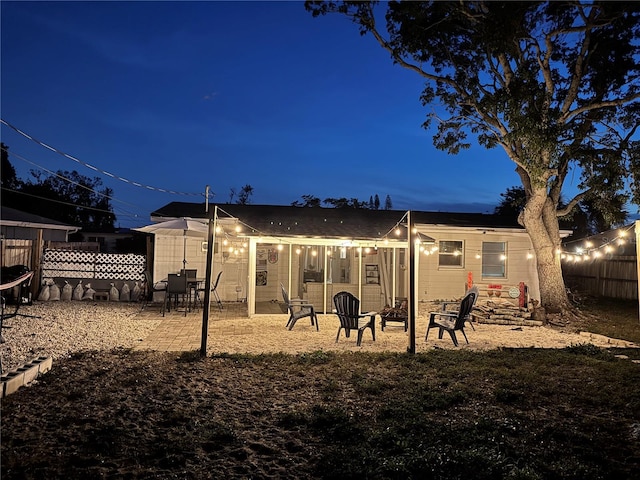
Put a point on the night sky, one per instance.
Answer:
(179, 95)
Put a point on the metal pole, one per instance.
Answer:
(207, 292)
(184, 250)
(411, 348)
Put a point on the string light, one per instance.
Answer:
(589, 250)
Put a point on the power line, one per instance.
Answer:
(92, 167)
(126, 213)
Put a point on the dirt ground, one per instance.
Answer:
(142, 413)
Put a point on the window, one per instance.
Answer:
(450, 254)
(494, 259)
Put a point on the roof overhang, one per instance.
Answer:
(47, 226)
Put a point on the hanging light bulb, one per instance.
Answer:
(298, 251)
(398, 231)
(280, 247)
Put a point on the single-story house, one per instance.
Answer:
(316, 252)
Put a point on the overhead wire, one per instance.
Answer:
(122, 212)
(93, 167)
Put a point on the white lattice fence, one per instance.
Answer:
(66, 264)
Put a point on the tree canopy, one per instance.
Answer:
(342, 202)
(65, 196)
(555, 84)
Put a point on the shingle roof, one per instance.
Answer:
(278, 220)
(13, 217)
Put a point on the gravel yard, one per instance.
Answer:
(61, 328)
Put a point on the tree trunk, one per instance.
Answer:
(541, 223)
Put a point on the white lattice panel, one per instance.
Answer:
(103, 266)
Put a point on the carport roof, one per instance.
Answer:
(11, 217)
(319, 222)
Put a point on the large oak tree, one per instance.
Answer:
(554, 84)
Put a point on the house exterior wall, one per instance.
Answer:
(169, 253)
(27, 233)
(433, 281)
(436, 282)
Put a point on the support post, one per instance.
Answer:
(211, 237)
(411, 348)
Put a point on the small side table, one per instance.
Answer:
(389, 318)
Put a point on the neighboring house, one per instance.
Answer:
(20, 232)
(122, 240)
(316, 252)
(15, 224)
(23, 236)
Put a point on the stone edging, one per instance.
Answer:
(13, 380)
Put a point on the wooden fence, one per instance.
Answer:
(615, 277)
(16, 252)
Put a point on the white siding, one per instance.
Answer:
(436, 282)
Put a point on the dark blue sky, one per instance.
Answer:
(179, 95)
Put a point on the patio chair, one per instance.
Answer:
(192, 284)
(149, 288)
(452, 321)
(176, 286)
(348, 311)
(214, 291)
(474, 289)
(298, 309)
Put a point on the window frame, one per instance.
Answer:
(498, 263)
(442, 255)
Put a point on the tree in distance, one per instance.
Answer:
(65, 196)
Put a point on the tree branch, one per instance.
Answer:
(574, 201)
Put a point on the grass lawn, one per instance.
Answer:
(572, 413)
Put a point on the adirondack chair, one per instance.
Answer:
(348, 311)
(298, 309)
(446, 305)
(452, 321)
